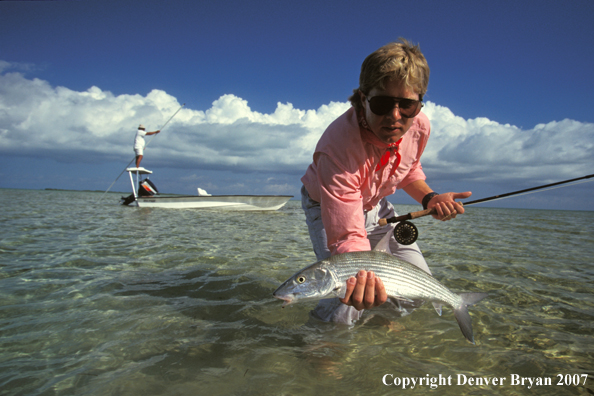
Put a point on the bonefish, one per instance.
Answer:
(402, 281)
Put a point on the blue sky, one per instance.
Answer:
(510, 95)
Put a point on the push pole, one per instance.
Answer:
(160, 129)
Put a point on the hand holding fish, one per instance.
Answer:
(365, 291)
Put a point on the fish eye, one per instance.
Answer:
(301, 279)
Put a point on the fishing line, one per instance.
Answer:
(160, 129)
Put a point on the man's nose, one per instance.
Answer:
(395, 112)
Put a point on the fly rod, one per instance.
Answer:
(160, 129)
(407, 232)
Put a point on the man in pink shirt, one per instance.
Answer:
(364, 156)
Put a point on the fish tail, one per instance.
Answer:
(472, 298)
(462, 315)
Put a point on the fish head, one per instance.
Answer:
(313, 282)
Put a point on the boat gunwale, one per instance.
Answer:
(162, 196)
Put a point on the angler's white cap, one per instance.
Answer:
(140, 126)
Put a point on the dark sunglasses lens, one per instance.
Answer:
(409, 108)
(406, 104)
(381, 105)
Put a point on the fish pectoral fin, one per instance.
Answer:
(408, 300)
(339, 291)
(437, 306)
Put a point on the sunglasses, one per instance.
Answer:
(382, 105)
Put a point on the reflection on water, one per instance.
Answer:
(101, 299)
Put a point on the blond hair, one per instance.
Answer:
(398, 61)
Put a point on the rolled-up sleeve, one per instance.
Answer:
(342, 207)
(415, 174)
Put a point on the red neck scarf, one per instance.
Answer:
(386, 158)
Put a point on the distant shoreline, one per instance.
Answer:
(99, 191)
(296, 198)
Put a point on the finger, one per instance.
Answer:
(451, 210)
(381, 296)
(440, 211)
(359, 292)
(350, 286)
(463, 195)
(369, 298)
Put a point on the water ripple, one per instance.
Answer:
(101, 299)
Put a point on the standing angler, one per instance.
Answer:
(402, 281)
(367, 153)
(139, 142)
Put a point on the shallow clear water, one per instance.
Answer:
(99, 299)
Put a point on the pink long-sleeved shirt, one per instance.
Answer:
(347, 175)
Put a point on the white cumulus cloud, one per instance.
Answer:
(481, 149)
(38, 119)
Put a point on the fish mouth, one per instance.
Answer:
(288, 299)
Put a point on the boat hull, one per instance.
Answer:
(228, 202)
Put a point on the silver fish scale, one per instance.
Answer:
(401, 279)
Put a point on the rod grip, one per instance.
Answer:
(409, 216)
(421, 213)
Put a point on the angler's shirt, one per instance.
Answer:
(139, 139)
(352, 170)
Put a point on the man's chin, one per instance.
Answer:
(391, 139)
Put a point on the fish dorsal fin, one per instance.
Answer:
(384, 244)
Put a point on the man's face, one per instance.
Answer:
(389, 128)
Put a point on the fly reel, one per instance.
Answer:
(406, 233)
